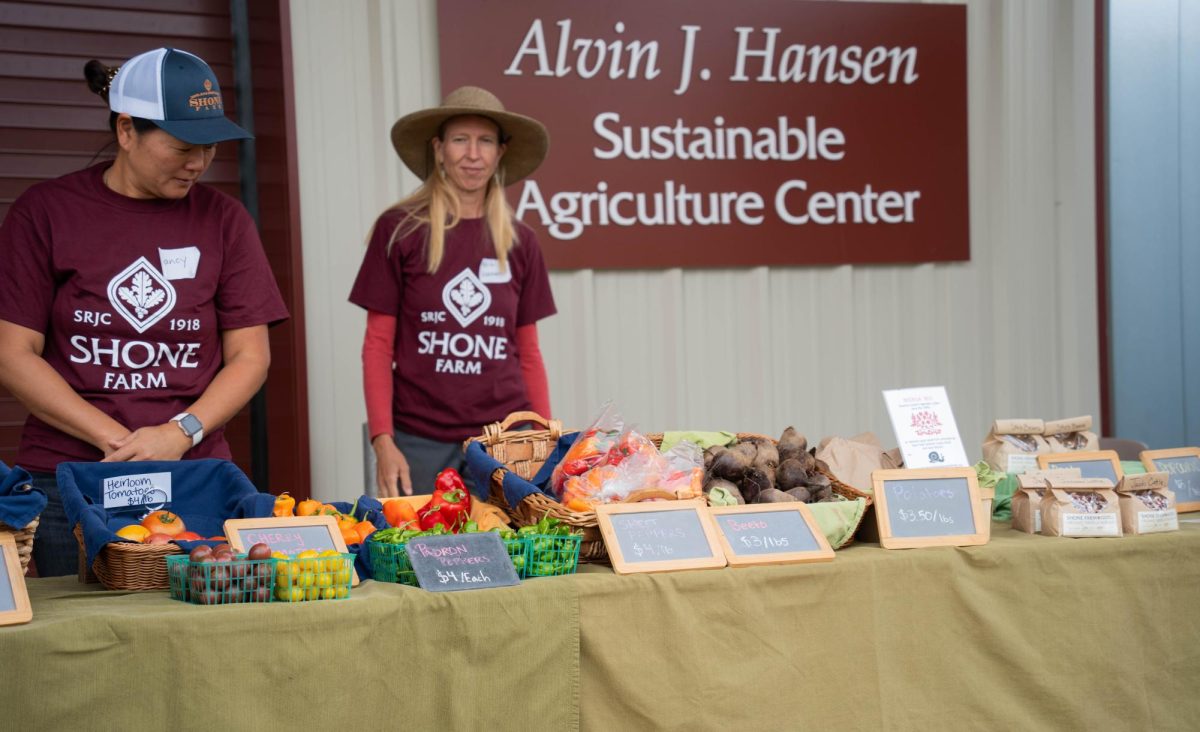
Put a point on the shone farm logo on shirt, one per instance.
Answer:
(466, 299)
(141, 295)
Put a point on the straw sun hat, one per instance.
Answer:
(526, 138)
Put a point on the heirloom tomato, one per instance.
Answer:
(164, 522)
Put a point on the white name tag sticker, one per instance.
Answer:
(152, 490)
(490, 274)
(179, 264)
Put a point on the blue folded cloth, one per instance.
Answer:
(20, 502)
(365, 508)
(516, 489)
(204, 492)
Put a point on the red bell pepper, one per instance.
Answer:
(431, 516)
(447, 480)
(450, 505)
(456, 508)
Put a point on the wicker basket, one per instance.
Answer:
(24, 539)
(123, 565)
(524, 453)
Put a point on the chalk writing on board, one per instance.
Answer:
(290, 540)
(1184, 473)
(661, 535)
(767, 532)
(461, 562)
(929, 507)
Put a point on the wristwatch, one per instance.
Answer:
(190, 426)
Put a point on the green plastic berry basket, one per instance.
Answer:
(551, 555)
(241, 580)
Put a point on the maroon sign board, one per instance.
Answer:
(722, 134)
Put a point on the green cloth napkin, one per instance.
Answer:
(704, 439)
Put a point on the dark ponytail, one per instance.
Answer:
(99, 78)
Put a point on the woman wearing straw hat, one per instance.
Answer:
(134, 301)
(453, 286)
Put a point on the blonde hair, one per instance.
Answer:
(435, 206)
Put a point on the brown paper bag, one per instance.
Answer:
(1012, 445)
(1071, 435)
(1080, 507)
(1147, 504)
(1027, 499)
(852, 460)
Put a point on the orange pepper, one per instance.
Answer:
(578, 504)
(364, 529)
(309, 507)
(328, 510)
(283, 505)
(399, 512)
(345, 521)
(350, 536)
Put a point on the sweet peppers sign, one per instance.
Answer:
(721, 134)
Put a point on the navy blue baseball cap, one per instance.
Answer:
(176, 91)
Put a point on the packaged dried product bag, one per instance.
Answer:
(1080, 507)
(1012, 445)
(1071, 435)
(1147, 504)
(1027, 500)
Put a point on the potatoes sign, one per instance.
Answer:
(730, 134)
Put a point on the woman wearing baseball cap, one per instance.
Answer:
(453, 286)
(134, 300)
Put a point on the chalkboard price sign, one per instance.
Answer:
(1182, 466)
(770, 533)
(928, 507)
(287, 534)
(1095, 464)
(461, 562)
(659, 536)
(14, 599)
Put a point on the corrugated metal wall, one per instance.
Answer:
(1011, 333)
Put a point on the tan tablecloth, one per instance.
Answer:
(1025, 633)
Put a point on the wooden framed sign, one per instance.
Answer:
(929, 507)
(288, 534)
(1182, 466)
(770, 533)
(1094, 464)
(661, 536)
(461, 562)
(14, 598)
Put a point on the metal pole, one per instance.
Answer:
(240, 21)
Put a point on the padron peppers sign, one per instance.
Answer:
(730, 134)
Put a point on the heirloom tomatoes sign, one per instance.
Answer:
(726, 134)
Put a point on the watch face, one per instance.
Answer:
(190, 425)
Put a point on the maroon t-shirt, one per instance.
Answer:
(132, 296)
(457, 363)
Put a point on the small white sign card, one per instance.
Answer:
(925, 427)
